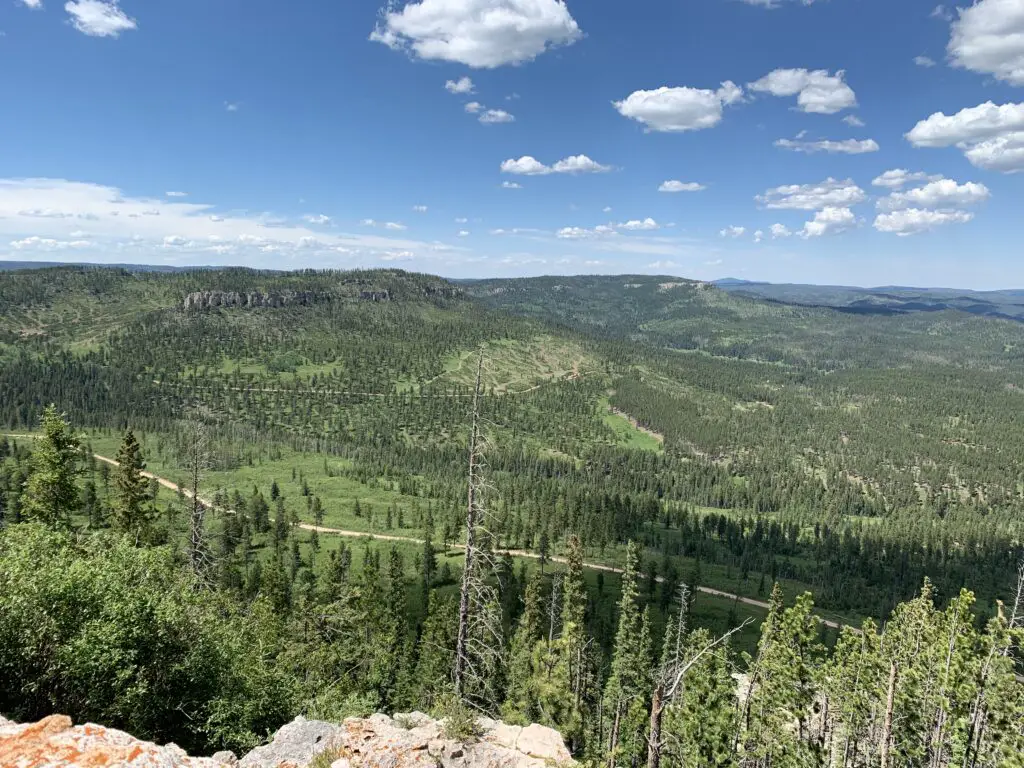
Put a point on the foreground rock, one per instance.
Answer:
(55, 743)
(406, 741)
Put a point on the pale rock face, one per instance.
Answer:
(407, 741)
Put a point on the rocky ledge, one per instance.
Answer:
(405, 741)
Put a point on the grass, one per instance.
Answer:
(627, 434)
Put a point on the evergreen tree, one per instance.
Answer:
(51, 494)
(132, 505)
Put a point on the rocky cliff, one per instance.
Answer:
(405, 741)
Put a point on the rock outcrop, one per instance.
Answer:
(54, 742)
(405, 741)
(200, 300)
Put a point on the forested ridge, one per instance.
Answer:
(659, 425)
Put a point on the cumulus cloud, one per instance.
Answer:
(990, 136)
(733, 232)
(680, 186)
(845, 147)
(34, 4)
(420, 208)
(853, 121)
(477, 33)
(462, 85)
(924, 61)
(316, 218)
(943, 193)
(679, 109)
(829, 221)
(176, 194)
(463, 233)
(638, 224)
(988, 38)
(897, 178)
(492, 116)
(36, 243)
(911, 221)
(758, 236)
(394, 226)
(812, 197)
(817, 91)
(780, 231)
(473, 107)
(97, 18)
(511, 185)
(530, 166)
(664, 264)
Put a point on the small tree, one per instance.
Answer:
(51, 494)
(133, 510)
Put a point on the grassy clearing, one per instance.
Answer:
(628, 434)
(515, 365)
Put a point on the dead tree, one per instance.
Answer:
(480, 639)
(197, 462)
(668, 683)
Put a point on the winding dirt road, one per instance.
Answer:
(171, 485)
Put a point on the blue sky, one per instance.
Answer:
(515, 137)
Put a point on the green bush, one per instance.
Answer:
(106, 632)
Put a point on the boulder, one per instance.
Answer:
(294, 745)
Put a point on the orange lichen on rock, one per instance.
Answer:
(54, 742)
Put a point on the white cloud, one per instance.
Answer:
(990, 136)
(853, 121)
(733, 232)
(573, 233)
(845, 147)
(812, 197)
(944, 193)
(829, 221)
(911, 221)
(97, 18)
(816, 91)
(493, 116)
(511, 185)
(773, 4)
(924, 61)
(680, 186)
(103, 224)
(679, 109)
(461, 220)
(477, 33)
(530, 166)
(420, 208)
(462, 85)
(176, 194)
(606, 209)
(942, 13)
(36, 243)
(317, 218)
(397, 256)
(989, 38)
(758, 236)
(637, 225)
(665, 264)
(602, 230)
(34, 4)
(394, 226)
(897, 178)
(463, 233)
(368, 223)
(780, 231)
(473, 107)
(231, 106)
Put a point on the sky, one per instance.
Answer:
(857, 142)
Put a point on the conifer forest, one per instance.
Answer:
(684, 526)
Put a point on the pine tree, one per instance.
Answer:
(132, 507)
(627, 689)
(520, 705)
(51, 494)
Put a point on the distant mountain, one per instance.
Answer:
(885, 300)
(6, 266)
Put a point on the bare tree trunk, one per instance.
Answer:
(198, 462)
(890, 701)
(654, 739)
(613, 742)
(471, 520)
